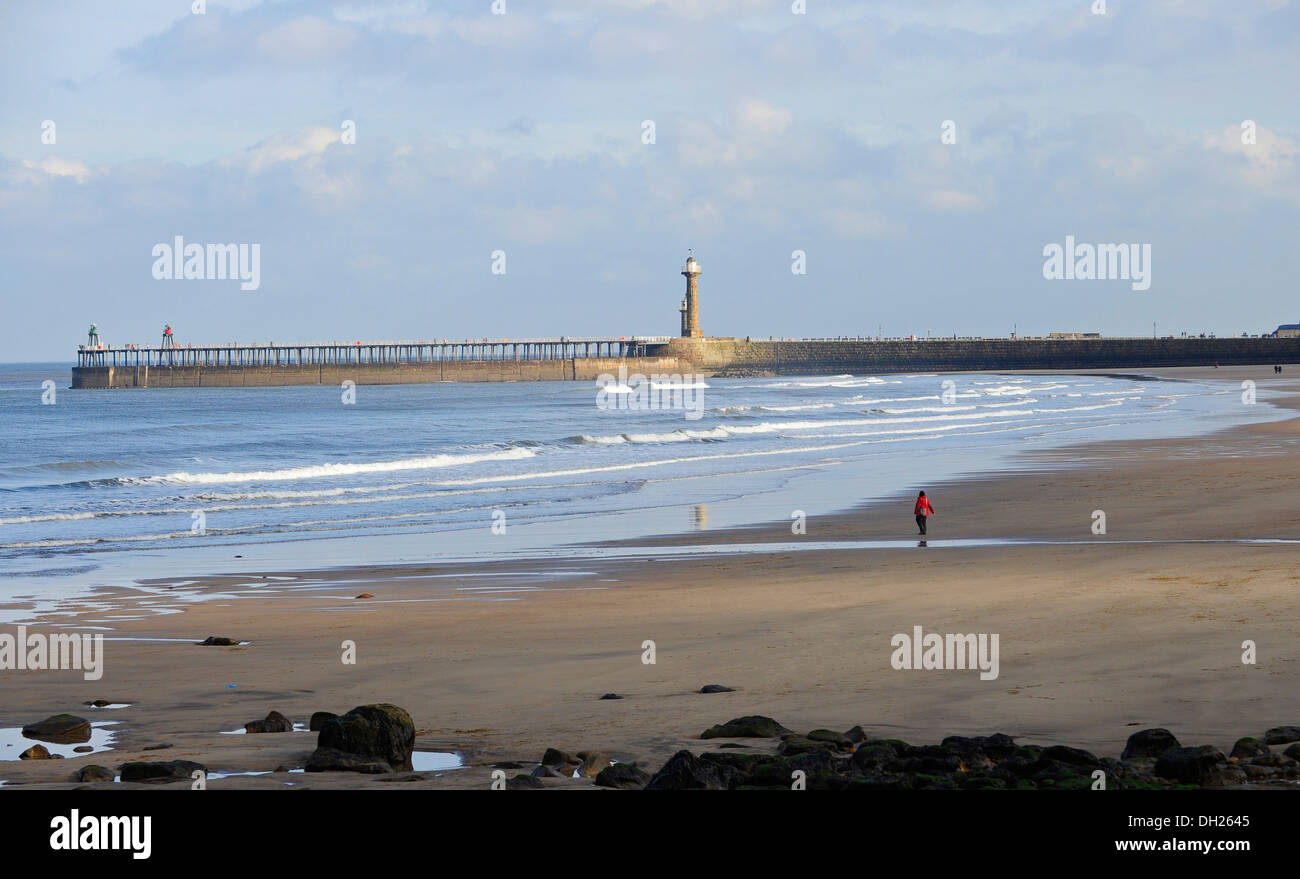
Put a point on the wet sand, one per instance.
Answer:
(1097, 638)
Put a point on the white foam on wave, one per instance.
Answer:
(836, 381)
(675, 436)
(662, 462)
(319, 471)
(1014, 390)
(953, 408)
(677, 386)
(724, 431)
(48, 517)
(734, 410)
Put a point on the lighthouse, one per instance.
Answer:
(691, 307)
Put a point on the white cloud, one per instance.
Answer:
(59, 167)
(1269, 161)
(759, 117)
(953, 200)
(306, 39)
(283, 148)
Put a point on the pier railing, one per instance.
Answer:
(316, 353)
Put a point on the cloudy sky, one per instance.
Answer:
(524, 132)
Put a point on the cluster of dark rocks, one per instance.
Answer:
(1153, 759)
(560, 764)
(380, 739)
(370, 738)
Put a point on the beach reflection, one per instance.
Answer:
(700, 517)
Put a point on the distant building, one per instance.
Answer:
(1074, 335)
(1288, 331)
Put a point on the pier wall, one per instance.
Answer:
(738, 357)
(568, 369)
(717, 357)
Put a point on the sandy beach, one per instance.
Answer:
(1100, 634)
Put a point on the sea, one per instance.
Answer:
(103, 487)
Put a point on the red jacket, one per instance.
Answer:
(923, 507)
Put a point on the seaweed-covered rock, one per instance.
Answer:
(818, 768)
(1148, 744)
(381, 732)
(35, 752)
(685, 771)
(1260, 773)
(335, 760)
(624, 776)
(556, 757)
(93, 774)
(1247, 749)
(318, 719)
(793, 744)
(1281, 735)
(982, 782)
(751, 726)
(60, 729)
(716, 688)
(218, 641)
(876, 755)
(162, 772)
(841, 741)
(525, 782)
(1190, 765)
(1070, 756)
(273, 723)
(998, 746)
(928, 759)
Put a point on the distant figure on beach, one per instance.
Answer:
(922, 510)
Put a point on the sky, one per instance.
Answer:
(920, 155)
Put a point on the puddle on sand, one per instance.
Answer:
(13, 742)
(421, 761)
(297, 727)
(433, 761)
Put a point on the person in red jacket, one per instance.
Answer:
(922, 510)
